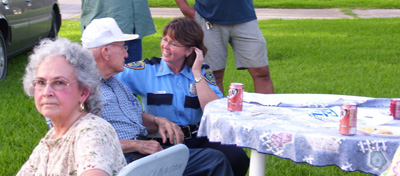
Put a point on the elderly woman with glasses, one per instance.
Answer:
(178, 86)
(63, 79)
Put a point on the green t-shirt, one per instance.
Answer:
(131, 16)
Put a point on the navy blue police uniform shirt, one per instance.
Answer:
(165, 94)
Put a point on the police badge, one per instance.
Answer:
(192, 89)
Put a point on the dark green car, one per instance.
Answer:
(23, 23)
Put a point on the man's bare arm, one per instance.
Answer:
(187, 10)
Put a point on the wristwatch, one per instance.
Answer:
(196, 80)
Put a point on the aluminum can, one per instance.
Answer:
(235, 97)
(395, 108)
(348, 119)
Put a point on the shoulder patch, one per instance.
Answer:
(153, 60)
(209, 76)
(205, 66)
(138, 65)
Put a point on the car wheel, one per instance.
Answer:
(3, 57)
(53, 31)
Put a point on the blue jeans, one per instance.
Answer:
(236, 156)
(202, 162)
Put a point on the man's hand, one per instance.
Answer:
(141, 146)
(164, 127)
(167, 127)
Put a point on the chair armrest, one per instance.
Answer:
(168, 162)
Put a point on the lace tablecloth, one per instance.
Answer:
(305, 128)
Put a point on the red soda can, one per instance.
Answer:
(235, 97)
(395, 108)
(348, 119)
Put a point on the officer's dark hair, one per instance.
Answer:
(188, 33)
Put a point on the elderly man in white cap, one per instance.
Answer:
(106, 41)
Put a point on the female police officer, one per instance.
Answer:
(178, 86)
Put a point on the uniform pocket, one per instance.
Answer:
(192, 102)
(159, 99)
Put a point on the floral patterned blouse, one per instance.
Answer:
(90, 143)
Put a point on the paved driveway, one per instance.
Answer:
(72, 9)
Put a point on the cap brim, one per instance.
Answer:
(128, 37)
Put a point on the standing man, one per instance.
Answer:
(107, 43)
(233, 22)
(133, 17)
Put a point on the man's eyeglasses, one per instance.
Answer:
(170, 43)
(125, 47)
(57, 84)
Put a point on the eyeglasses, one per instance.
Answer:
(125, 47)
(57, 84)
(170, 43)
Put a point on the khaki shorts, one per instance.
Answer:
(246, 40)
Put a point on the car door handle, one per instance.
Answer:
(5, 2)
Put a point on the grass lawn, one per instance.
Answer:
(289, 4)
(341, 56)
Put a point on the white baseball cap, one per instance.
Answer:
(104, 31)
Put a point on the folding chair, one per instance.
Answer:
(168, 162)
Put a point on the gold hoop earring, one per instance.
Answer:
(81, 107)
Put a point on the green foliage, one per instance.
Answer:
(163, 3)
(74, 34)
(327, 3)
(343, 56)
(354, 57)
(295, 4)
(21, 126)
